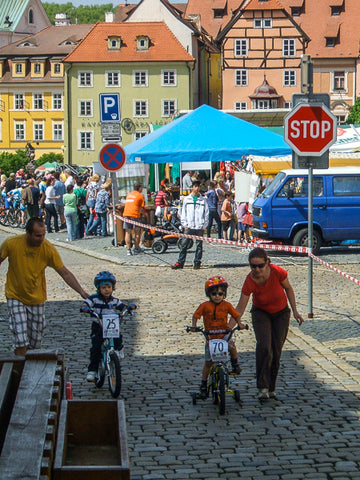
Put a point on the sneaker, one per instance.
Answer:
(272, 395)
(137, 251)
(129, 252)
(197, 266)
(177, 265)
(90, 377)
(236, 369)
(203, 391)
(263, 394)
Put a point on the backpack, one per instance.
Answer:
(81, 201)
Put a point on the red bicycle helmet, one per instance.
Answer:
(213, 282)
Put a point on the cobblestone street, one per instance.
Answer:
(311, 432)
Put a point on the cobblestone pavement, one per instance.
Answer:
(311, 432)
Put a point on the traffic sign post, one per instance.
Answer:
(112, 157)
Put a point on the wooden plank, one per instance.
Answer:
(22, 452)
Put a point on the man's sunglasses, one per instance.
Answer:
(257, 265)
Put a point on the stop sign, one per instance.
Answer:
(310, 129)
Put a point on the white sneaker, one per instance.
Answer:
(263, 394)
(129, 252)
(90, 377)
(272, 395)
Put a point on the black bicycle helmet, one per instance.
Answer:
(104, 278)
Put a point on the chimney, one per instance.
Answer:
(109, 17)
(62, 19)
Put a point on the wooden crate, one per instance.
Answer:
(91, 441)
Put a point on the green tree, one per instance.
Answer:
(11, 162)
(50, 157)
(82, 14)
(354, 116)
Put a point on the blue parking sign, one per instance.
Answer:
(109, 107)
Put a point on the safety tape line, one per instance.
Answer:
(331, 267)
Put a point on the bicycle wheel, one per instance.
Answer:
(4, 217)
(100, 377)
(114, 375)
(221, 390)
(14, 217)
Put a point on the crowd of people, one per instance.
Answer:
(66, 201)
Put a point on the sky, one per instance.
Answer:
(76, 3)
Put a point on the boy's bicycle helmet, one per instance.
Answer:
(213, 282)
(104, 278)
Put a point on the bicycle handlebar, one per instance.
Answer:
(127, 310)
(207, 333)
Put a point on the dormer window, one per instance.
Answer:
(18, 68)
(330, 41)
(114, 43)
(142, 42)
(37, 68)
(336, 10)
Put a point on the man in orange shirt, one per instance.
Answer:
(134, 209)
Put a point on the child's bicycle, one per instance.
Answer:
(218, 383)
(109, 364)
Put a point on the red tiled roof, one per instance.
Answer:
(164, 46)
(264, 5)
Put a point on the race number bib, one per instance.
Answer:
(219, 349)
(111, 326)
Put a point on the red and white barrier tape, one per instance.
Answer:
(267, 246)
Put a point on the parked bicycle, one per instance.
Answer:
(109, 364)
(10, 212)
(219, 377)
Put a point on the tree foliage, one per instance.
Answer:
(50, 157)
(354, 116)
(11, 162)
(82, 14)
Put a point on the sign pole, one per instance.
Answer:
(310, 240)
(113, 192)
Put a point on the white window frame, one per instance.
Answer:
(55, 134)
(37, 68)
(169, 78)
(240, 106)
(57, 66)
(21, 126)
(241, 47)
(86, 103)
(140, 78)
(241, 77)
(289, 47)
(89, 140)
(109, 75)
(38, 101)
(85, 78)
(144, 103)
(57, 101)
(335, 89)
(38, 131)
(19, 98)
(139, 134)
(18, 68)
(263, 22)
(289, 78)
(165, 104)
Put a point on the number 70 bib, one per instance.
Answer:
(219, 349)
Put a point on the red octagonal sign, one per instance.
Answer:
(310, 129)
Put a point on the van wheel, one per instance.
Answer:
(301, 239)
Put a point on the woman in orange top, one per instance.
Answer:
(215, 314)
(271, 291)
(226, 214)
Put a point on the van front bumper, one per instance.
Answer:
(256, 232)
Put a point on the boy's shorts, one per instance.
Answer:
(27, 323)
(207, 351)
(225, 224)
(130, 226)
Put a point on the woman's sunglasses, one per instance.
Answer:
(257, 265)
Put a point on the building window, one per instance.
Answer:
(168, 78)
(38, 101)
(86, 140)
(139, 134)
(37, 68)
(240, 106)
(19, 101)
(38, 131)
(19, 131)
(140, 78)
(241, 48)
(287, 104)
(330, 41)
(57, 68)
(289, 47)
(58, 132)
(142, 43)
(295, 11)
(85, 108)
(289, 78)
(19, 68)
(140, 108)
(263, 104)
(262, 22)
(85, 79)
(241, 78)
(336, 10)
(57, 101)
(31, 16)
(168, 108)
(112, 79)
(339, 81)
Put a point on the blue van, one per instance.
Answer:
(280, 213)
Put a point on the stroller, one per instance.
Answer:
(172, 223)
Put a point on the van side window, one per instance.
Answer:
(346, 186)
(297, 187)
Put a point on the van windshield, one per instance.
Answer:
(273, 185)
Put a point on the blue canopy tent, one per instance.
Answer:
(206, 134)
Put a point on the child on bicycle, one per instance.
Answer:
(102, 303)
(215, 317)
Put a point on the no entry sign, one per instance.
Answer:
(310, 129)
(112, 157)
